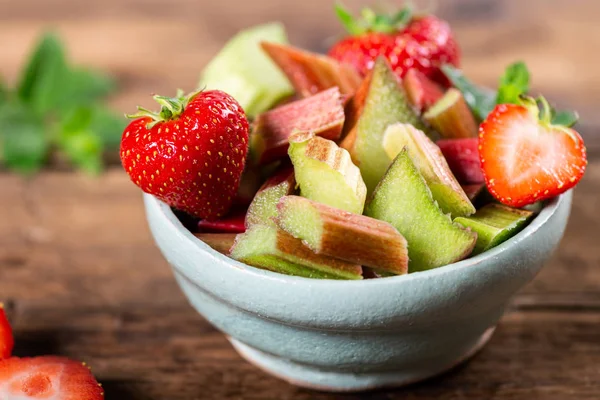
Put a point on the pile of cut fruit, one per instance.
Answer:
(378, 159)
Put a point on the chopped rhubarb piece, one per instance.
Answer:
(385, 104)
(353, 110)
(473, 190)
(311, 73)
(220, 242)
(494, 224)
(428, 158)
(336, 233)
(263, 208)
(451, 116)
(403, 199)
(231, 223)
(462, 156)
(325, 173)
(321, 114)
(271, 248)
(422, 92)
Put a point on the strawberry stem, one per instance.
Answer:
(171, 108)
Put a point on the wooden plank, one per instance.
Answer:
(171, 353)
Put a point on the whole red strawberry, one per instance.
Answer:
(191, 154)
(405, 40)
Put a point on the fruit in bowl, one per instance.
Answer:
(390, 183)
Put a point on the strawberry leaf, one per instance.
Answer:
(481, 100)
(513, 83)
(23, 142)
(564, 118)
(352, 25)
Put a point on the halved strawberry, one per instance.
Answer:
(462, 156)
(525, 158)
(7, 341)
(47, 377)
(422, 92)
(231, 223)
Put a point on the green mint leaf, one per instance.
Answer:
(108, 126)
(84, 87)
(78, 143)
(481, 100)
(513, 83)
(565, 118)
(24, 145)
(44, 76)
(3, 92)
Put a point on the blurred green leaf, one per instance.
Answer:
(108, 126)
(44, 78)
(23, 142)
(76, 141)
(83, 87)
(481, 100)
(513, 83)
(3, 92)
(564, 118)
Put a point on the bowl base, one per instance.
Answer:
(331, 381)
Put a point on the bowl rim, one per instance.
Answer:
(168, 217)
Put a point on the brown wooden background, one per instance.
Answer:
(82, 278)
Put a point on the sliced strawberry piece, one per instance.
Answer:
(232, 223)
(462, 156)
(7, 341)
(311, 73)
(422, 92)
(525, 158)
(47, 377)
(321, 114)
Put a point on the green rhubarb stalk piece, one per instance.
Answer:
(246, 72)
(220, 242)
(350, 237)
(452, 117)
(431, 163)
(494, 224)
(271, 248)
(386, 103)
(403, 199)
(321, 114)
(263, 208)
(326, 174)
(311, 73)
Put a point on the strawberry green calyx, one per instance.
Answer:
(373, 22)
(545, 114)
(171, 107)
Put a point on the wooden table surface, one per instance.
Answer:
(80, 273)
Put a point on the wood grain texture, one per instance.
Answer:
(81, 276)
